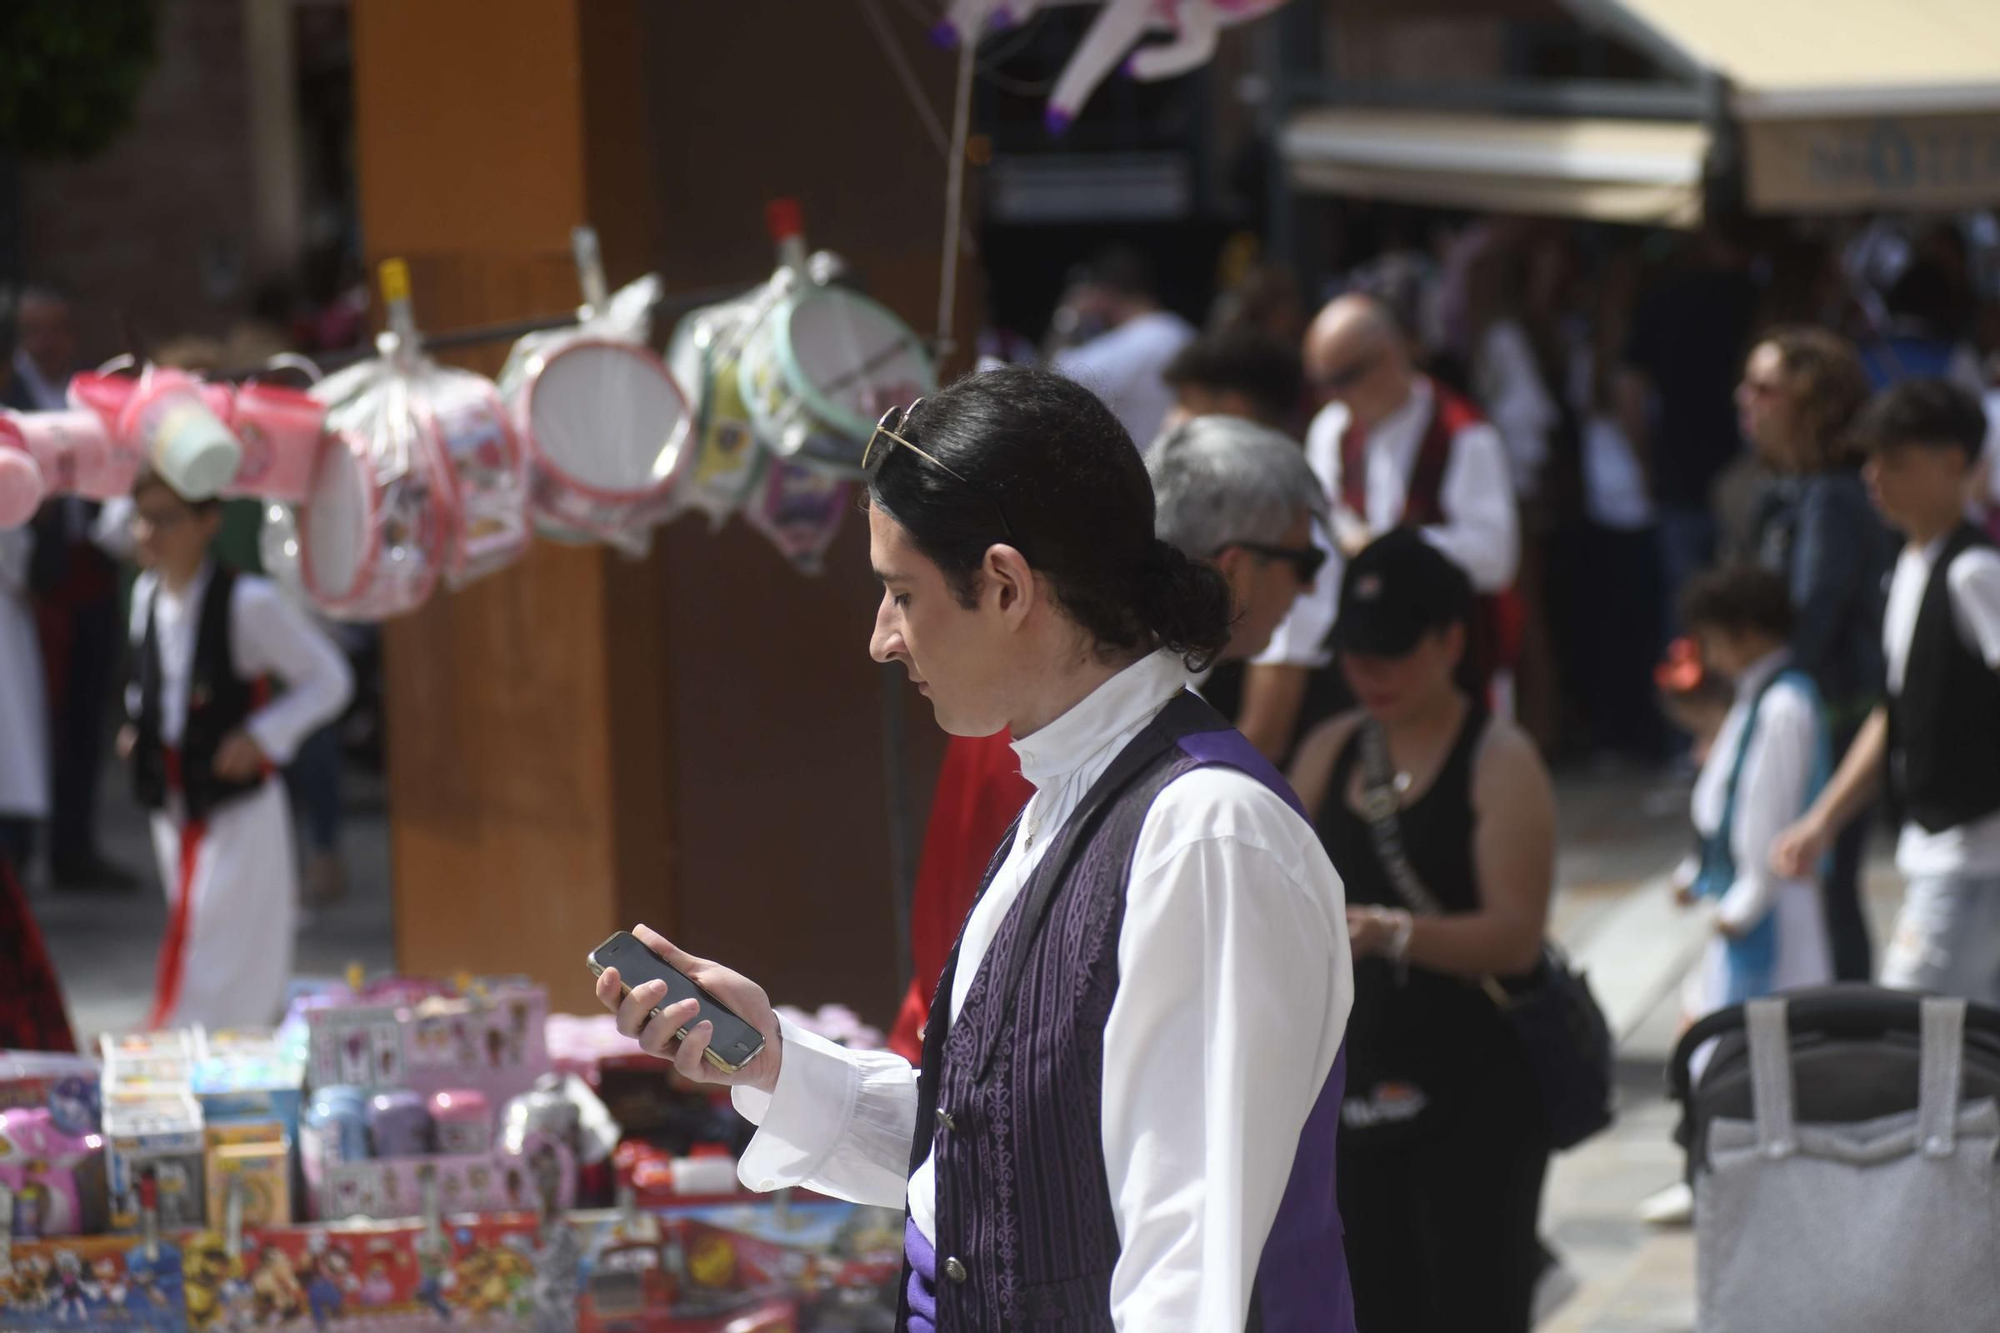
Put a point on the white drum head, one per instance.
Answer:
(856, 359)
(608, 417)
(334, 523)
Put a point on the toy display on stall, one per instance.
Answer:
(438, 1185)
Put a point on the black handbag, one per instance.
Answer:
(1559, 1023)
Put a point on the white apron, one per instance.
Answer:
(228, 951)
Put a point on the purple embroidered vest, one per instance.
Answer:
(1010, 1097)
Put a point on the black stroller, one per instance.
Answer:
(1842, 1147)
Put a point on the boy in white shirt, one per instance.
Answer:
(205, 739)
(1937, 739)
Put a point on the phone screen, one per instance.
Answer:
(734, 1044)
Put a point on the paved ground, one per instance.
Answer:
(1620, 834)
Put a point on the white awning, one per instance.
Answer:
(1846, 105)
(1788, 59)
(1642, 172)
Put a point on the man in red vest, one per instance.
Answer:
(1393, 448)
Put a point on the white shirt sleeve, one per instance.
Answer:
(1975, 601)
(142, 603)
(1300, 639)
(840, 1122)
(1481, 531)
(1777, 769)
(1234, 988)
(1517, 402)
(275, 638)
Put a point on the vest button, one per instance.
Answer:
(954, 1270)
(945, 1121)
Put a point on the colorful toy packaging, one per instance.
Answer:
(98, 1283)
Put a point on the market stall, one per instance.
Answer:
(410, 1155)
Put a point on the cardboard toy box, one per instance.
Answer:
(155, 1143)
(98, 1282)
(484, 1273)
(490, 1038)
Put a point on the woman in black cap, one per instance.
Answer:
(1441, 821)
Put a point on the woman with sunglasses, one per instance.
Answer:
(1441, 821)
(1131, 1071)
(1801, 390)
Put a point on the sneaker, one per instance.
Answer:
(1671, 1207)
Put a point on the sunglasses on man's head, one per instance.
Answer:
(893, 428)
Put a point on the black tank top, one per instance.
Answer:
(1421, 1044)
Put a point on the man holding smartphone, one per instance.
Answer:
(1131, 1079)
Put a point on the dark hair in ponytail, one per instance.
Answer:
(1030, 459)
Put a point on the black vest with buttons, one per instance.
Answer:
(219, 702)
(1944, 724)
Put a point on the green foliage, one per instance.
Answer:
(70, 73)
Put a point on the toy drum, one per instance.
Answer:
(371, 532)
(819, 371)
(605, 428)
(280, 431)
(73, 453)
(462, 421)
(724, 460)
(177, 425)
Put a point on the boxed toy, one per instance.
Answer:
(154, 1155)
(494, 1273)
(100, 1283)
(56, 1178)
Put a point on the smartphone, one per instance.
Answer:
(734, 1043)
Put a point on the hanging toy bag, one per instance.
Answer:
(420, 478)
(820, 370)
(166, 421)
(725, 462)
(374, 525)
(58, 453)
(800, 508)
(603, 424)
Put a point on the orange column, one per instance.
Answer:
(696, 740)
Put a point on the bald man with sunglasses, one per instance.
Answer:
(1392, 448)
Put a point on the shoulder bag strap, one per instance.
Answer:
(1380, 803)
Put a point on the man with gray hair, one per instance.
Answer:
(1241, 497)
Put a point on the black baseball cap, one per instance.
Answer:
(1398, 589)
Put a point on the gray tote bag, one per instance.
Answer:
(1887, 1224)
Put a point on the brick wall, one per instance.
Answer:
(159, 225)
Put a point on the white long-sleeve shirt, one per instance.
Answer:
(269, 636)
(1233, 993)
(1773, 792)
(1481, 531)
(1126, 368)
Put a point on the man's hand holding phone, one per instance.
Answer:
(657, 1033)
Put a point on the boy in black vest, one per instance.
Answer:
(204, 738)
(1937, 739)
